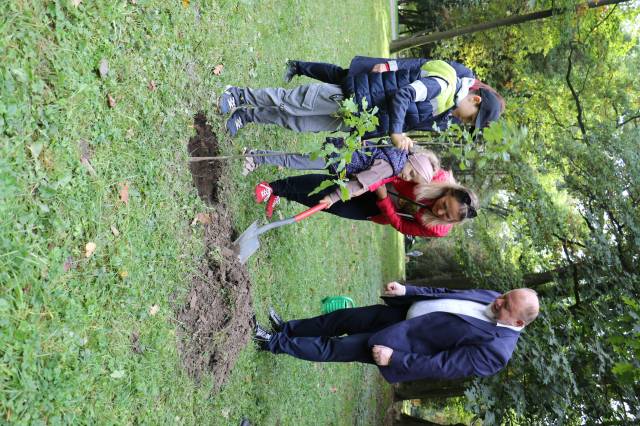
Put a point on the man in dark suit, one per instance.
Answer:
(421, 332)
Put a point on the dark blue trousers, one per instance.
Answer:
(318, 339)
(327, 73)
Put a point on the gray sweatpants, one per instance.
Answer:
(308, 108)
(289, 161)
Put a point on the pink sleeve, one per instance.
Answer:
(442, 175)
(409, 227)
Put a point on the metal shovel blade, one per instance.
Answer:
(247, 243)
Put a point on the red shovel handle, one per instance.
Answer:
(305, 214)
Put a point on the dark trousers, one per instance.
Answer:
(297, 188)
(317, 339)
(327, 73)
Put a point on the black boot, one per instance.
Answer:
(276, 322)
(290, 71)
(262, 337)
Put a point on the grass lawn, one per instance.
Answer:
(68, 309)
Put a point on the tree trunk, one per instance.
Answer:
(428, 389)
(461, 282)
(423, 38)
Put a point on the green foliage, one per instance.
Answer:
(361, 120)
(559, 179)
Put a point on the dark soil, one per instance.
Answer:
(215, 321)
(206, 174)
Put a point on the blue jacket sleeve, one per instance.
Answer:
(405, 96)
(465, 361)
(426, 291)
(461, 70)
(408, 63)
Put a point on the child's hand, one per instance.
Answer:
(395, 289)
(326, 200)
(402, 141)
(381, 192)
(379, 68)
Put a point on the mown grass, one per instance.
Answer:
(66, 319)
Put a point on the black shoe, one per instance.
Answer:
(262, 336)
(290, 71)
(276, 322)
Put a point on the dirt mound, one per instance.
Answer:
(215, 320)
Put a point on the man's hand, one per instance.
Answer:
(395, 289)
(326, 200)
(381, 355)
(402, 141)
(381, 192)
(379, 68)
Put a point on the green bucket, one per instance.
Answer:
(333, 303)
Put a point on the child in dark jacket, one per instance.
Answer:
(409, 177)
(411, 94)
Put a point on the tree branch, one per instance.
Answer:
(635, 117)
(583, 129)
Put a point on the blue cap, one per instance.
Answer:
(491, 108)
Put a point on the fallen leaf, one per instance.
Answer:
(36, 150)
(203, 218)
(153, 310)
(115, 231)
(68, 264)
(88, 167)
(76, 3)
(89, 248)
(85, 156)
(111, 101)
(152, 86)
(103, 68)
(185, 3)
(333, 389)
(217, 70)
(124, 192)
(117, 374)
(123, 274)
(133, 1)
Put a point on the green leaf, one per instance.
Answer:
(323, 185)
(344, 193)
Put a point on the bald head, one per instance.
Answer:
(517, 307)
(530, 306)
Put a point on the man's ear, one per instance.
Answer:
(519, 323)
(476, 99)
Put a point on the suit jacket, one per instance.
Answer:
(443, 345)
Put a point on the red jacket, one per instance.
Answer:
(416, 227)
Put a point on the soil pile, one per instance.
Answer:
(215, 321)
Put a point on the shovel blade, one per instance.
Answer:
(247, 243)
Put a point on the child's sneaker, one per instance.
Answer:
(263, 192)
(230, 99)
(249, 162)
(236, 122)
(274, 200)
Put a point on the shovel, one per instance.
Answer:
(248, 242)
